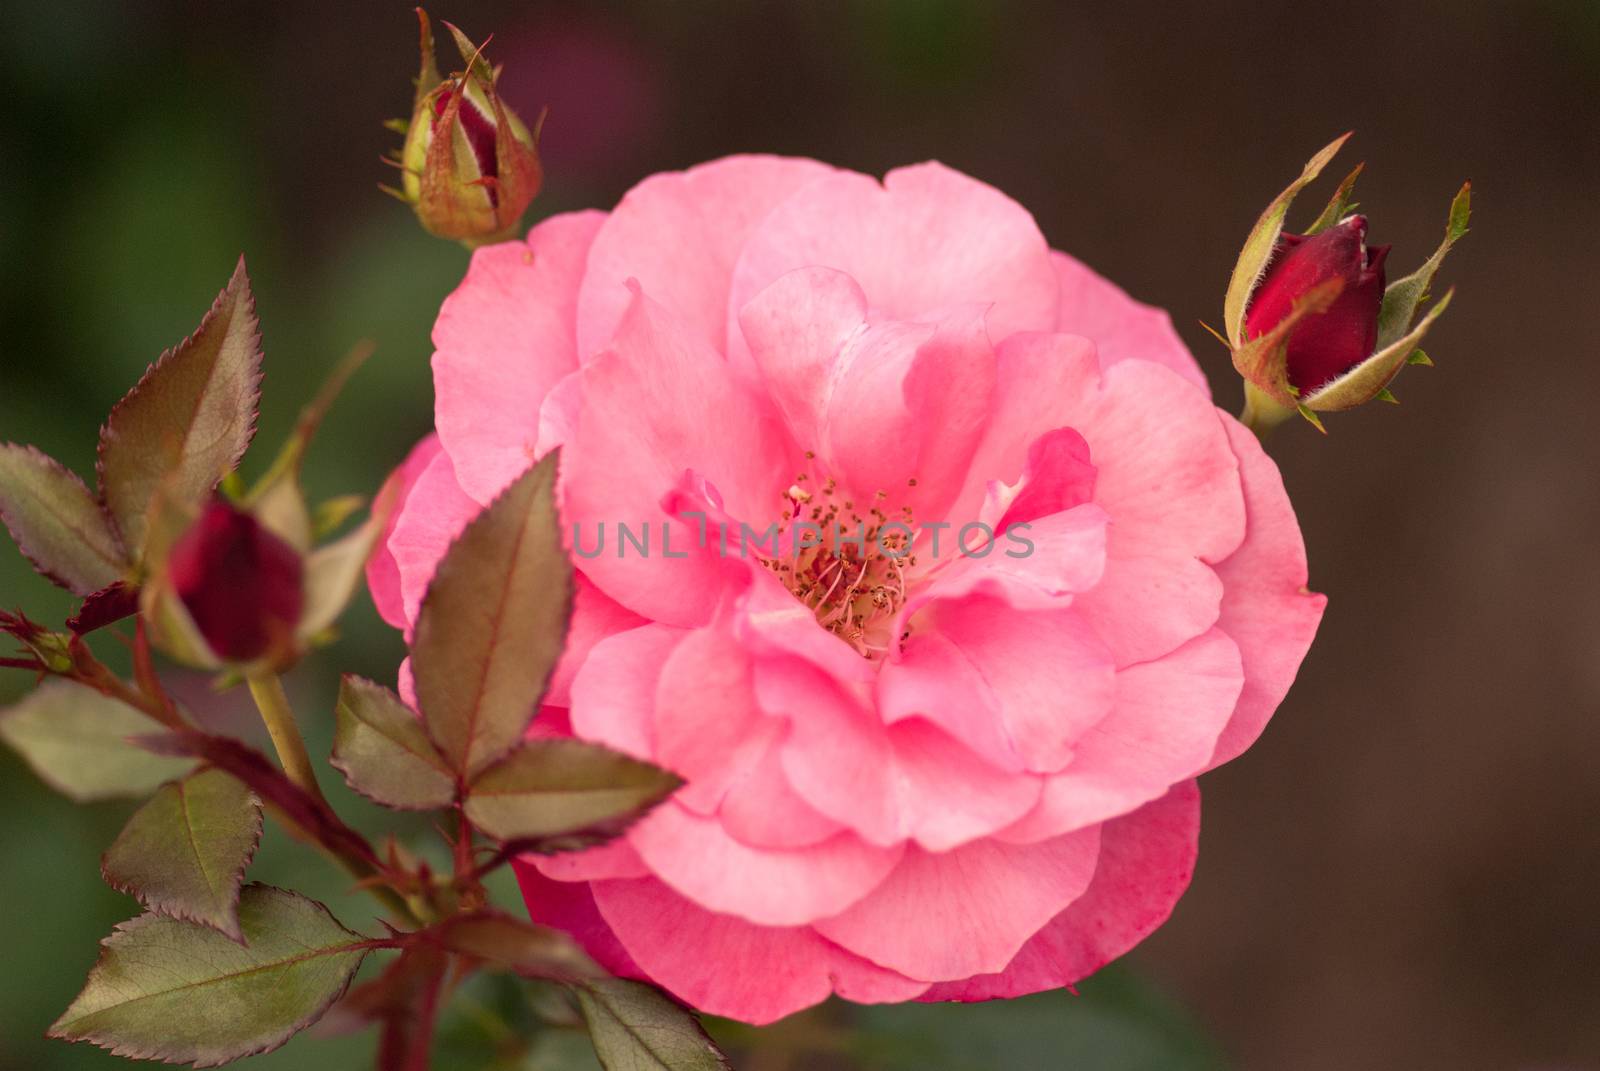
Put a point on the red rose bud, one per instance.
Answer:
(1326, 345)
(470, 166)
(1312, 322)
(241, 584)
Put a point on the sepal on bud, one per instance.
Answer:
(1312, 325)
(470, 165)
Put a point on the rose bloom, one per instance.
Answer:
(930, 776)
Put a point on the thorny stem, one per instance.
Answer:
(338, 841)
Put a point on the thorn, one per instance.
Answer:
(1386, 395)
(1419, 357)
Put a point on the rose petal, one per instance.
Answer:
(768, 886)
(713, 961)
(504, 338)
(1266, 608)
(1122, 329)
(1146, 861)
(941, 917)
(679, 234)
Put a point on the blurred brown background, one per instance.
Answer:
(1404, 872)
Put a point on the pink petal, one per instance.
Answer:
(907, 408)
(503, 339)
(762, 809)
(679, 234)
(926, 241)
(1170, 483)
(614, 859)
(942, 917)
(614, 692)
(1146, 860)
(643, 426)
(1035, 565)
(570, 907)
(1037, 377)
(435, 512)
(707, 726)
(768, 886)
(1122, 329)
(1266, 608)
(1046, 680)
(949, 796)
(727, 966)
(595, 617)
(1163, 726)
(888, 784)
(796, 330)
(383, 572)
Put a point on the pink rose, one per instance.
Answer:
(932, 775)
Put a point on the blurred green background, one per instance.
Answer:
(1401, 874)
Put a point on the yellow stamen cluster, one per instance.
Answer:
(854, 579)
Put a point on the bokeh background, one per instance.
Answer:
(1403, 873)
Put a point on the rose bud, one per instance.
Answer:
(1331, 343)
(470, 166)
(1313, 323)
(241, 585)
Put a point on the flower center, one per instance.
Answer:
(848, 560)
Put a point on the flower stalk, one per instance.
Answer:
(278, 716)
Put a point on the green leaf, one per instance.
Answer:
(1404, 297)
(184, 853)
(56, 522)
(170, 990)
(493, 623)
(516, 945)
(1263, 237)
(636, 1028)
(381, 749)
(189, 419)
(563, 794)
(76, 741)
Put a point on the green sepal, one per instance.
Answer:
(1263, 238)
(77, 741)
(1403, 297)
(428, 77)
(1339, 206)
(472, 56)
(1363, 382)
(184, 853)
(334, 572)
(1263, 361)
(170, 990)
(564, 794)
